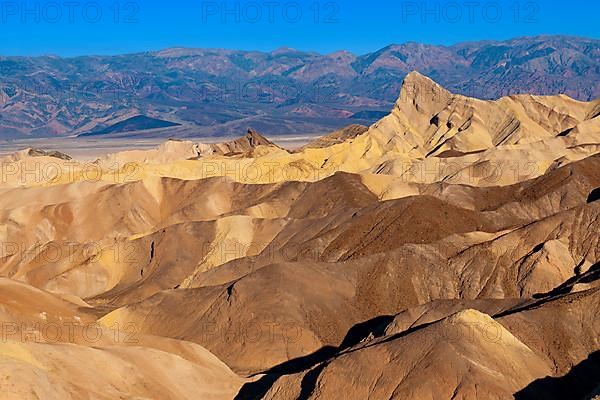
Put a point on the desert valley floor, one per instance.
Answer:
(449, 251)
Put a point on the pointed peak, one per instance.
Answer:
(255, 138)
(470, 316)
(480, 325)
(416, 77)
(418, 88)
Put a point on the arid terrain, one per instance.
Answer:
(188, 92)
(449, 251)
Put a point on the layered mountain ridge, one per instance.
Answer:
(450, 250)
(212, 92)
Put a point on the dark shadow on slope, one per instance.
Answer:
(257, 390)
(594, 196)
(315, 363)
(593, 274)
(309, 382)
(358, 333)
(579, 383)
(565, 132)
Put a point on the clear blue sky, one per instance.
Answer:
(67, 27)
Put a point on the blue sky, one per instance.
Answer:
(69, 28)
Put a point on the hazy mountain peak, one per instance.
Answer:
(283, 50)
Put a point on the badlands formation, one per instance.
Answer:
(449, 251)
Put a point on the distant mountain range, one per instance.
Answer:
(133, 124)
(211, 92)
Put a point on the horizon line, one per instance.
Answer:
(176, 47)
